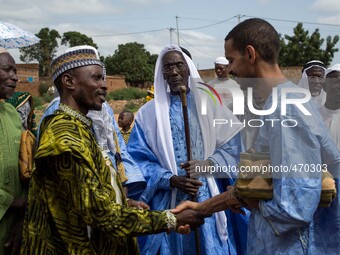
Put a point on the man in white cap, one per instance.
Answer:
(74, 204)
(330, 111)
(223, 82)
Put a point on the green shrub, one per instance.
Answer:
(132, 107)
(126, 94)
(37, 101)
(43, 87)
(48, 98)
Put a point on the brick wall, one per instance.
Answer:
(114, 82)
(292, 73)
(28, 72)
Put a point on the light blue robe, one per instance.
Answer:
(136, 182)
(292, 223)
(158, 191)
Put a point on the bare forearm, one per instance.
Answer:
(214, 204)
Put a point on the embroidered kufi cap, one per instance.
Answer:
(73, 58)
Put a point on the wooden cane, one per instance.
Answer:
(183, 95)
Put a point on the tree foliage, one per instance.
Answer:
(73, 38)
(300, 48)
(133, 61)
(43, 52)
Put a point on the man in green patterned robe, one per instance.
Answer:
(12, 205)
(76, 204)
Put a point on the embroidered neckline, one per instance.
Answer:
(78, 115)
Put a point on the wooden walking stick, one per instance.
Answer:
(183, 96)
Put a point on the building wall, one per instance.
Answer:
(114, 82)
(28, 72)
(292, 73)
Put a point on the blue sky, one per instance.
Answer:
(202, 24)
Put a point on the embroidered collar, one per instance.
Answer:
(78, 115)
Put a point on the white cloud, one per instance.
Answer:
(326, 6)
(330, 20)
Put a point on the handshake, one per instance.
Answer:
(191, 214)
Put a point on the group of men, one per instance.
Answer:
(76, 202)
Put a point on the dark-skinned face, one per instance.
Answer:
(332, 88)
(221, 71)
(316, 80)
(124, 120)
(8, 76)
(175, 71)
(90, 87)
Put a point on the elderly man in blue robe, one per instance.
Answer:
(157, 143)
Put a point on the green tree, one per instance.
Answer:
(133, 61)
(43, 52)
(300, 48)
(74, 38)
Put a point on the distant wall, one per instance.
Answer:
(292, 73)
(114, 82)
(32, 88)
(28, 72)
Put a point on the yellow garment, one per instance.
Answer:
(126, 135)
(71, 192)
(121, 170)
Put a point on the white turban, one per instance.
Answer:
(336, 67)
(221, 61)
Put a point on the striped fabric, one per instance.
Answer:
(74, 59)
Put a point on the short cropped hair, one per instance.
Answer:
(258, 33)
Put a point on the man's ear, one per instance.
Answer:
(68, 81)
(251, 52)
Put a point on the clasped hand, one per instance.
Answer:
(188, 219)
(196, 168)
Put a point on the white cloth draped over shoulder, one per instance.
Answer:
(213, 137)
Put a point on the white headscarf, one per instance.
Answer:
(333, 68)
(303, 83)
(213, 137)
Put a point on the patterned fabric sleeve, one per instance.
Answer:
(93, 198)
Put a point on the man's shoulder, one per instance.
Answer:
(61, 125)
(61, 133)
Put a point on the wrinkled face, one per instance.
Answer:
(175, 70)
(8, 76)
(221, 70)
(124, 120)
(90, 88)
(239, 66)
(332, 87)
(316, 80)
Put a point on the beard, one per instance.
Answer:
(84, 102)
